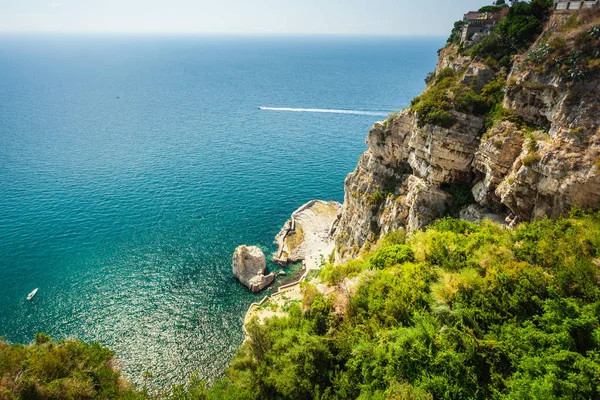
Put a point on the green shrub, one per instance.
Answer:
(334, 274)
(494, 90)
(454, 225)
(429, 114)
(493, 8)
(523, 23)
(67, 369)
(392, 296)
(433, 106)
(499, 114)
(447, 72)
(393, 115)
(391, 255)
(532, 142)
(456, 33)
(470, 102)
(377, 198)
(430, 78)
(393, 238)
(531, 158)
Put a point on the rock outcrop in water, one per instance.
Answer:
(535, 154)
(249, 265)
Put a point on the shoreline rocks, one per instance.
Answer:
(249, 266)
(306, 235)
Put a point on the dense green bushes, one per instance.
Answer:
(462, 311)
(434, 106)
(391, 255)
(456, 33)
(459, 311)
(68, 369)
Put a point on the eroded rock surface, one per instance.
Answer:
(249, 265)
(307, 235)
(541, 165)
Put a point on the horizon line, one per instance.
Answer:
(199, 34)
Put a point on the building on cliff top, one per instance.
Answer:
(479, 24)
(566, 5)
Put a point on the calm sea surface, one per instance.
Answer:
(131, 168)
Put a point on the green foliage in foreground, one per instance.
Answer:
(68, 369)
(461, 311)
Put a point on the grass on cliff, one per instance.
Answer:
(573, 52)
(447, 93)
(513, 35)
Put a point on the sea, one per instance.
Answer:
(132, 166)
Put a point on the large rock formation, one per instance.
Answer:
(541, 166)
(249, 266)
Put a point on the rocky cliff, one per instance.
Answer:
(516, 143)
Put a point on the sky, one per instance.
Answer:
(278, 17)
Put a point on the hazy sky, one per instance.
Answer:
(387, 17)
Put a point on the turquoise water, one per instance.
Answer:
(131, 167)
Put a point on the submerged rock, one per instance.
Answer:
(249, 267)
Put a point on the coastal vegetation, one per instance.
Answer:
(513, 34)
(457, 311)
(572, 53)
(67, 369)
(449, 94)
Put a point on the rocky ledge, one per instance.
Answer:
(249, 267)
(535, 154)
(307, 235)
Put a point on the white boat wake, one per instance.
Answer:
(325, 110)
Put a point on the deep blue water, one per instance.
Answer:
(131, 167)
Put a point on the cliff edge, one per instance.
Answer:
(503, 133)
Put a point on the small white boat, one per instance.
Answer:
(30, 295)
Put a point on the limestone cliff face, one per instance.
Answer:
(566, 173)
(249, 265)
(519, 171)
